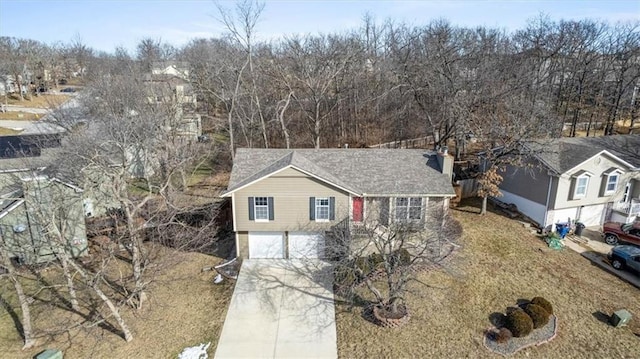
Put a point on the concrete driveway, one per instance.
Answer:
(591, 246)
(280, 309)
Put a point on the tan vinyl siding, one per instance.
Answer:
(291, 190)
(596, 166)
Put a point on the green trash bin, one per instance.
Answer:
(50, 354)
(620, 318)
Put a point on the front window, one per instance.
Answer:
(408, 208)
(261, 208)
(612, 182)
(581, 186)
(322, 209)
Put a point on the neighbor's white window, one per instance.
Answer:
(261, 209)
(408, 208)
(581, 186)
(322, 209)
(612, 182)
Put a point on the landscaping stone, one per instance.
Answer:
(537, 337)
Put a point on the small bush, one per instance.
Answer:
(344, 276)
(364, 265)
(538, 315)
(503, 335)
(519, 323)
(375, 259)
(401, 257)
(543, 303)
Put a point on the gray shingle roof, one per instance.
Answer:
(361, 171)
(563, 154)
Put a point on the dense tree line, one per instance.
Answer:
(385, 81)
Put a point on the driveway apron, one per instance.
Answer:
(280, 309)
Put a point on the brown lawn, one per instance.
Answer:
(184, 309)
(40, 101)
(500, 263)
(19, 116)
(8, 131)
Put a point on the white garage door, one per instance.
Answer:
(266, 245)
(306, 245)
(592, 215)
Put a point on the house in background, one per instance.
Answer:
(584, 179)
(286, 200)
(37, 207)
(36, 211)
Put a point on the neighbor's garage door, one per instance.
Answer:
(266, 245)
(306, 245)
(592, 215)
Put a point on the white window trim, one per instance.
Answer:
(328, 206)
(586, 187)
(255, 209)
(607, 191)
(408, 209)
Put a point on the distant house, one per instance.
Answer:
(171, 68)
(36, 213)
(37, 208)
(285, 201)
(585, 179)
(168, 85)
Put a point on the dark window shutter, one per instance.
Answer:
(270, 204)
(312, 208)
(251, 210)
(332, 208)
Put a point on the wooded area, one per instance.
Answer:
(385, 81)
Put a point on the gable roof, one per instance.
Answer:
(358, 171)
(562, 155)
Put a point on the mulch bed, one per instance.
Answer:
(537, 337)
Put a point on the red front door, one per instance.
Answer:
(357, 208)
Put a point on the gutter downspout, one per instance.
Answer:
(546, 206)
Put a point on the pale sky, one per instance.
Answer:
(104, 24)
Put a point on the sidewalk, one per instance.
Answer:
(596, 252)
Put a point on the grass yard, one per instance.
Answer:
(19, 116)
(40, 101)
(8, 131)
(184, 309)
(500, 263)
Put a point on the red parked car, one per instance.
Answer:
(615, 232)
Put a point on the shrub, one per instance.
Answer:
(543, 303)
(364, 265)
(519, 323)
(538, 315)
(344, 276)
(401, 257)
(503, 335)
(375, 259)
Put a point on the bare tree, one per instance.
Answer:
(384, 258)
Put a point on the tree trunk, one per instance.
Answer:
(285, 132)
(22, 298)
(136, 257)
(70, 286)
(93, 282)
(483, 211)
(114, 311)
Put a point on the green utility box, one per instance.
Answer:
(620, 318)
(50, 354)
